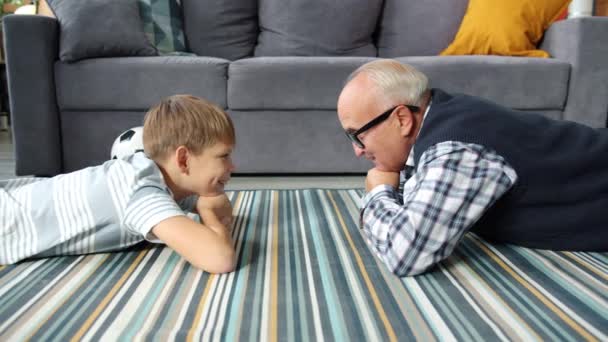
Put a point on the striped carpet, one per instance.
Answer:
(306, 274)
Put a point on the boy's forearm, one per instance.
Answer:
(208, 247)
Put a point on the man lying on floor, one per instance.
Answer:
(466, 164)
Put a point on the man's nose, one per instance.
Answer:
(358, 150)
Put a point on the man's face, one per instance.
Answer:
(358, 104)
(210, 170)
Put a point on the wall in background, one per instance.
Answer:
(583, 8)
(580, 8)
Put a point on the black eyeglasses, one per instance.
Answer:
(354, 136)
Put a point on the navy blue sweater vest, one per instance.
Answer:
(560, 200)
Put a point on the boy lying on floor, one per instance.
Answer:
(188, 143)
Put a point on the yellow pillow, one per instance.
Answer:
(505, 27)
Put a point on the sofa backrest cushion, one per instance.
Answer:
(100, 28)
(317, 27)
(221, 28)
(418, 28)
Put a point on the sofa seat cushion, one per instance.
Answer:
(289, 82)
(520, 83)
(307, 141)
(301, 83)
(136, 83)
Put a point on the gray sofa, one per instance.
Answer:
(281, 91)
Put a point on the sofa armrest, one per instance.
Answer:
(30, 44)
(582, 43)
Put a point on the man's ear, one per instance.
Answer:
(407, 121)
(181, 157)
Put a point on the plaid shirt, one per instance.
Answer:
(450, 189)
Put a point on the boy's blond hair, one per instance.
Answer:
(185, 120)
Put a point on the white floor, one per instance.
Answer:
(7, 170)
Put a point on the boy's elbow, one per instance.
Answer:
(220, 267)
(223, 263)
(227, 263)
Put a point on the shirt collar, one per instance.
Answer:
(410, 157)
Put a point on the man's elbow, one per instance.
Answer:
(410, 270)
(399, 272)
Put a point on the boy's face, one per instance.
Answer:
(210, 170)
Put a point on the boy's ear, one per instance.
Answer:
(406, 120)
(181, 157)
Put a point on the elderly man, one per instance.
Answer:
(466, 164)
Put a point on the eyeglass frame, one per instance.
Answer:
(353, 137)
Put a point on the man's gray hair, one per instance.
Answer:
(399, 83)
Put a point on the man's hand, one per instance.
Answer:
(219, 206)
(376, 177)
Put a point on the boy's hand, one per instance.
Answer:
(376, 177)
(219, 206)
(213, 222)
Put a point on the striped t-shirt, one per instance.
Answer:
(97, 209)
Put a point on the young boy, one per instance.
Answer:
(188, 144)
